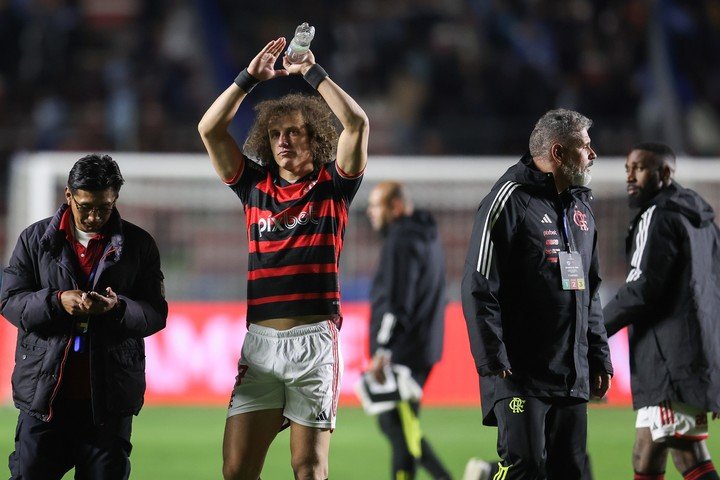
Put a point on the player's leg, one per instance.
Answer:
(311, 365)
(692, 459)
(566, 439)
(247, 439)
(255, 413)
(403, 459)
(649, 457)
(309, 449)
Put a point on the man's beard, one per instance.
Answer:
(641, 198)
(576, 177)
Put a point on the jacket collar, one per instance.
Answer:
(54, 238)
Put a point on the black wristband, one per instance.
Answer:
(315, 75)
(246, 81)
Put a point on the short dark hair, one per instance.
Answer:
(95, 173)
(660, 150)
(319, 121)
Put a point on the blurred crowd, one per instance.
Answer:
(435, 76)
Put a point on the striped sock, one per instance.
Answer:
(649, 476)
(701, 471)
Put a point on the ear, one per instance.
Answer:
(68, 195)
(666, 175)
(556, 152)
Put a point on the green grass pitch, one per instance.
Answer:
(184, 443)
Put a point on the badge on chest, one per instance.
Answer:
(571, 271)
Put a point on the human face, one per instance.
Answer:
(577, 160)
(91, 209)
(290, 144)
(644, 177)
(379, 210)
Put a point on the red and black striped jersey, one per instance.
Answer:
(295, 236)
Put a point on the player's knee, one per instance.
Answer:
(237, 470)
(687, 454)
(310, 469)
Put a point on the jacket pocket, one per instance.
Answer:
(25, 376)
(125, 377)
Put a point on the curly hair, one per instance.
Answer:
(319, 122)
(564, 126)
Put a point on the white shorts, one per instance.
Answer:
(673, 419)
(298, 370)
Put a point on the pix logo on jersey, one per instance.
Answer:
(285, 221)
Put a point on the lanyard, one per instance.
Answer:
(567, 234)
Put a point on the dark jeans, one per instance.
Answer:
(47, 450)
(542, 438)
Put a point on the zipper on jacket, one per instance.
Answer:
(59, 380)
(67, 349)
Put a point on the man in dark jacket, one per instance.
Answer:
(408, 317)
(83, 288)
(530, 300)
(670, 302)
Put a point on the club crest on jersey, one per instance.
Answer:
(285, 221)
(580, 220)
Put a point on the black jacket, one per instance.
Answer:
(517, 313)
(671, 301)
(43, 264)
(408, 293)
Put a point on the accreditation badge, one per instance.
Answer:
(571, 271)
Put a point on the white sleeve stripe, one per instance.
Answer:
(486, 245)
(387, 324)
(640, 242)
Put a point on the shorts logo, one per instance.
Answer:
(517, 405)
(322, 417)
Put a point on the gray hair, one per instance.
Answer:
(561, 126)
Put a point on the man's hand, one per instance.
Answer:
(299, 68)
(379, 361)
(262, 66)
(77, 302)
(502, 373)
(72, 301)
(600, 384)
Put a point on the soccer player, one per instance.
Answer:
(296, 200)
(407, 318)
(670, 301)
(83, 288)
(531, 303)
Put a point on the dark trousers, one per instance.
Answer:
(541, 438)
(47, 450)
(410, 449)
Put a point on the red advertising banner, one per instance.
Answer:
(194, 359)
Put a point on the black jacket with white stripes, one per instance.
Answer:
(518, 315)
(671, 301)
(408, 293)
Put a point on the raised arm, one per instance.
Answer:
(353, 142)
(225, 154)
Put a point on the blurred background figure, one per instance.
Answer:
(408, 318)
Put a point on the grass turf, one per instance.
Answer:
(184, 443)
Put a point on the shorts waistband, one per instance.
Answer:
(299, 331)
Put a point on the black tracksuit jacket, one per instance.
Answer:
(517, 313)
(43, 264)
(671, 301)
(408, 292)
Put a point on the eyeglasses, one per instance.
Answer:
(87, 209)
